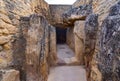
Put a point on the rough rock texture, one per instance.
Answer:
(101, 7)
(78, 13)
(9, 75)
(91, 27)
(37, 49)
(52, 46)
(56, 12)
(79, 40)
(109, 62)
(10, 13)
(70, 38)
(81, 2)
(13, 39)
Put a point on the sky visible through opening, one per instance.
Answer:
(60, 1)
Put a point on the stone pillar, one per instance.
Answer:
(70, 38)
(52, 46)
(91, 29)
(79, 40)
(37, 49)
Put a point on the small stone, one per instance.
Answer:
(9, 75)
(7, 46)
(4, 39)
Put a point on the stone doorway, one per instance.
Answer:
(65, 54)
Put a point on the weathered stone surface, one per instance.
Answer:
(37, 49)
(9, 75)
(13, 36)
(91, 27)
(101, 7)
(78, 13)
(4, 39)
(52, 46)
(79, 40)
(71, 38)
(81, 2)
(10, 13)
(108, 58)
(56, 12)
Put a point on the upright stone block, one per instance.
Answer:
(79, 40)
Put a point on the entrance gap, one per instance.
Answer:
(64, 53)
(61, 35)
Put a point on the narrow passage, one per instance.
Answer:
(64, 71)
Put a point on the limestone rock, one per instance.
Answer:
(78, 13)
(1, 48)
(109, 62)
(91, 29)
(102, 8)
(7, 46)
(52, 46)
(9, 75)
(71, 38)
(114, 10)
(13, 35)
(56, 12)
(4, 39)
(79, 40)
(37, 49)
(81, 2)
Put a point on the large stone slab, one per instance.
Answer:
(77, 13)
(81, 2)
(91, 29)
(108, 59)
(79, 40)
(37, 49)
(56, 12)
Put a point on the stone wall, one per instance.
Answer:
(25, 38)
(37, 48)
(56, 12)
(81, 2)
(102, 8)
(102, 58)
(10, 13)
(16, 38)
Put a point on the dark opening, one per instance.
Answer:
(61, 35)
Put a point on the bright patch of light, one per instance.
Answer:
(60, 1)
